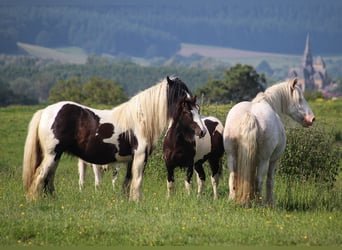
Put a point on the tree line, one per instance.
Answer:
(31, 79)
(35, 81)
(156, 28)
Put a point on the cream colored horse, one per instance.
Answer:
(254, 138)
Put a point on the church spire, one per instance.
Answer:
(307, 58)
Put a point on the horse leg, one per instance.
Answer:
(81, 172)
(231, 162)
(44, 177)
(137, 175)
(189, 174)
(116, 168)
(98, 172)
(49, 186)
(270, 182)
(200, 177)
(128, 179)
(216, 168)
(259, 178)
(170, 180)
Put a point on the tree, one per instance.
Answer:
(70, 90)
(102, 91)
(265, 68)
(339, 85)
(9, 95)
(241, 83)
(6, 94)
(95, 91)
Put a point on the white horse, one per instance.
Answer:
(98, 171)
(254, 138)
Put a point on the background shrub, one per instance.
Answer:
(311, 154)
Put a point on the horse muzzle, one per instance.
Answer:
(308, 120)
(202, 133)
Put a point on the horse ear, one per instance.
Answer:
(197, 105)
(169, 81)
(182, 104)
(184, 101)
(293, 84)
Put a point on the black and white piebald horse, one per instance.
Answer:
(125, 133)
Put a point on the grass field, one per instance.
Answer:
(71, 55)
(234, 56)
(253, 58)
(107, 218)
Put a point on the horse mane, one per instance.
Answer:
(175, 90)
(177, 112)
(145, 113)
(278, 96)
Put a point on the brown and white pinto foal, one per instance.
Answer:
(185, 147)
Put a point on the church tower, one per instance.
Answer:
(313, 73)
(307, 57)
(307, 65)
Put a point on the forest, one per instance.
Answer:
(156, 28)
(28, 80)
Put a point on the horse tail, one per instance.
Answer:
(32, 151)
(246, 159)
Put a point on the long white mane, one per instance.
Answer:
(145, 113)
(279, 96)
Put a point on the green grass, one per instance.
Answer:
(305, 214)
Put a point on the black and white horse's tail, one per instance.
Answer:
(32, 153)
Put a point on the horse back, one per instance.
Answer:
(79, 132)
(87, 133)
(211, 145)
(271, 136)
(231, 128)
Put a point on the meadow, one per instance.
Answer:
(106, 218)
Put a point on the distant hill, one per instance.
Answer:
(193, 55)
(154, 28)
(74, 55)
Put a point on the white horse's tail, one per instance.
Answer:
(246, 160)
(32, 151)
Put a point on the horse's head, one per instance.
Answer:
(176, 89)
(298, 108)
(187, 116)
